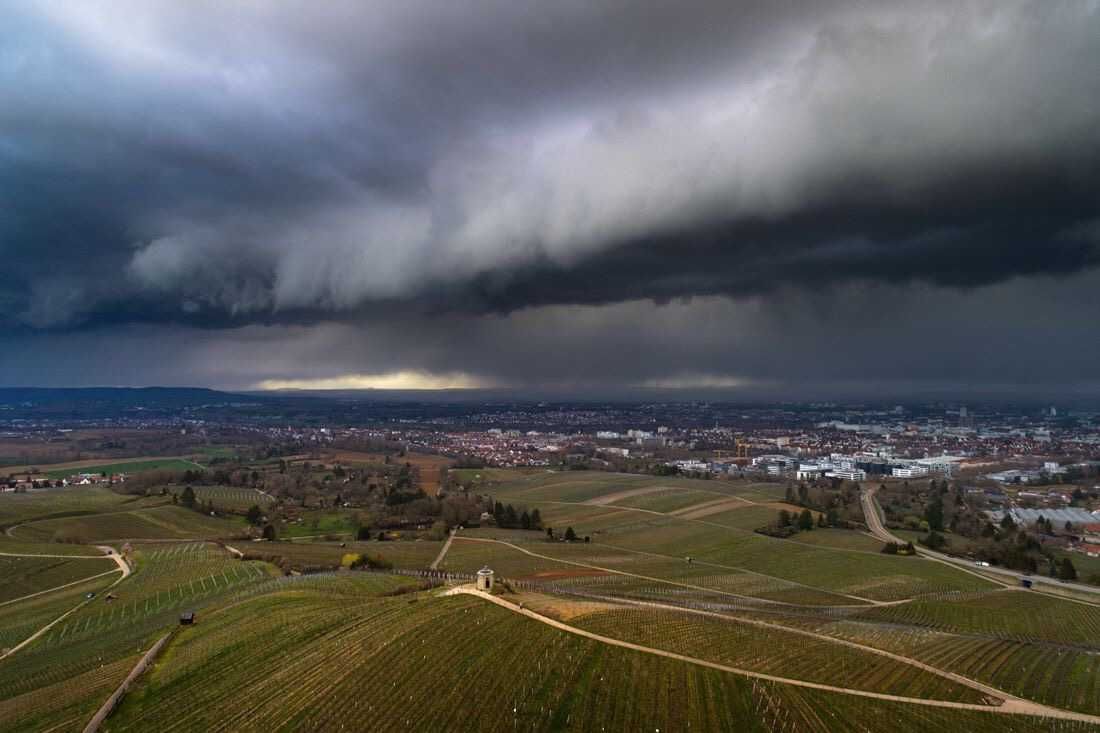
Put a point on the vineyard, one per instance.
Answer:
(322, 659)
(773, 651)
(1013, 615)
(285, 641)
(110, 627)
(229, 498)
(155, 523)
(71, 501)
(26, 575)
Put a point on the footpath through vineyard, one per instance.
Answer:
(1010, 705)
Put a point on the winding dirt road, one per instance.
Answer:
(1010, 706)
(443, 551)
(665, 581)
(110, 552)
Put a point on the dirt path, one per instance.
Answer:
(698, 511)
(10, 531)
(110, 552)
(746, 571)
(119, 560)
(1010, 705)
(44, 629)
(965, 681)
(626, 494)
(59, 587)
(443, 551)
(663, 581)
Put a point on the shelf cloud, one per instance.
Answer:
(216, 167)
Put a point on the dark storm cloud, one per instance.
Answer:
(1023, 336)
(223, 164)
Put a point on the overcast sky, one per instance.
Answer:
(575, 195)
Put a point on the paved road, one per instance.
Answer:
(871, 511)
(1011, 705)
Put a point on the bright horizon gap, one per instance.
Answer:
(400, 380)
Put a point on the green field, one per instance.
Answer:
(125, 467)
(841, 562)
(25, 575)
(155, 523)
(305, 556)
(70, 501)
(285, 641)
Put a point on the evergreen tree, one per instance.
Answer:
(933, 514)
(269, 532)
(511, 519)
(525, 520)
(536, 519)
(1066, 571)
(805, 520)
(188, 497)
(570, 535)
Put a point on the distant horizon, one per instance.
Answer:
(1036, 398)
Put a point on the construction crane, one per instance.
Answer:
(741, 452)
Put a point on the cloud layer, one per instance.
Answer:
(267, 167)
(218, 164)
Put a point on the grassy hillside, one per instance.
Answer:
(26, 575)
(154, 523)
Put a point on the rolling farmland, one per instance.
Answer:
(335, 650)
(153, 523)
(416, 665)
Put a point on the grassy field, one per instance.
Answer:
(155, 523)
(25, 575)
(319, 523)
(125, 467)
(838, 563)
(70, 501)
(411, 555)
